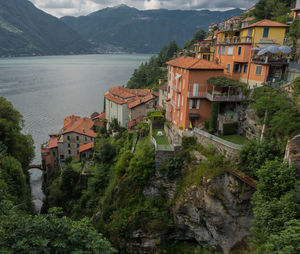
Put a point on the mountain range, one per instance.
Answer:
(26, 30)
(131, 30)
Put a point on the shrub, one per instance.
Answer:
(214, 117)
(188, 142)
(230, 128)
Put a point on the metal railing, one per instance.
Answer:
(269, 59)
(235, 40)
(215, 96)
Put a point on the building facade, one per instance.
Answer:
(127, 105)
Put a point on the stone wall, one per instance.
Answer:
(228, 149)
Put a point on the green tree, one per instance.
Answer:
(198, 36)
(294, 34)
(286, 241)
(18, 145)
(254, 154)
(48, 234)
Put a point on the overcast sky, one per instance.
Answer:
(83, 7)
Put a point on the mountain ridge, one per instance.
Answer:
(142, 31)
(26, 30)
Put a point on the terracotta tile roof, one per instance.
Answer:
(126, 93)
(86, 147)
(195, 64)
(81, 125)
(163, 87)
(155, 93)
(100, 116)
(135, 122)
(248, 19)
(267, 23)
(45, 151)
(52, 142)
(114, 99)
(138, 100)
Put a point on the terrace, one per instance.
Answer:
(236, 40)
(270, 59)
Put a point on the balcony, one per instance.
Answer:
(176, 90)
(216, 96)
(236, 40)
(274, 60)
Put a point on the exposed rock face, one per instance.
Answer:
(216, 212)
(250, 124)
(292, 152)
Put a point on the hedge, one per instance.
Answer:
(230, 128)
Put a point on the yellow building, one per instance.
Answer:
(205, 49)
(265, 32)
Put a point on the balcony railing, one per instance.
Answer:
(213, 96)
(236, 40)
(269, 60)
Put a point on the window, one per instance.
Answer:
(223, 50)
(237, 68)
(77, 138)
(230, 51)
(195, 89)
(194, 104)
(181, 116)
(77, 145)
(68, 137)
(266, 32)
(258, 70)
(183, 85)
(245, 68)
(219, 51)
(239, 51)
(69, 151)
(228, 68)
(54, 154)
(182, 98)
(85, 138)
(250, 32)
(69, 145)
(178, 101)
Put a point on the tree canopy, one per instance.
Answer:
(198, 36)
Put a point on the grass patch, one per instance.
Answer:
(160, 140)
(236, 139)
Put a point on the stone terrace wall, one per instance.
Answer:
(228, 149)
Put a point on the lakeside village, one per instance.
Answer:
(202, 96)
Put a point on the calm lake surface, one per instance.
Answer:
(47, 89)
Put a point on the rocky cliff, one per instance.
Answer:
(214, 212)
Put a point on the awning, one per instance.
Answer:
(194, 115)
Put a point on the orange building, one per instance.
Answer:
(189, 95)
(237, 51)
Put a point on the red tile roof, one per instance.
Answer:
(267, 23)
(163, 87)
(114, 99)
(45, 151)
(138, 101)
(52, 142)
(155, 93)
(126, 93)
(80, 125)
(86, 147)
(100, 116)
(194, 64)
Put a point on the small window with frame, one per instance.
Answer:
(258, 70)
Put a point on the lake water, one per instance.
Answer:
(47, 89)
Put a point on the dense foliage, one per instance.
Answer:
(254, 154)
(277, 112)
(148, 73)
(225, 82)
(50, 233)
(276, 209)
(272, 9)
(198, 36)
(294, 35)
